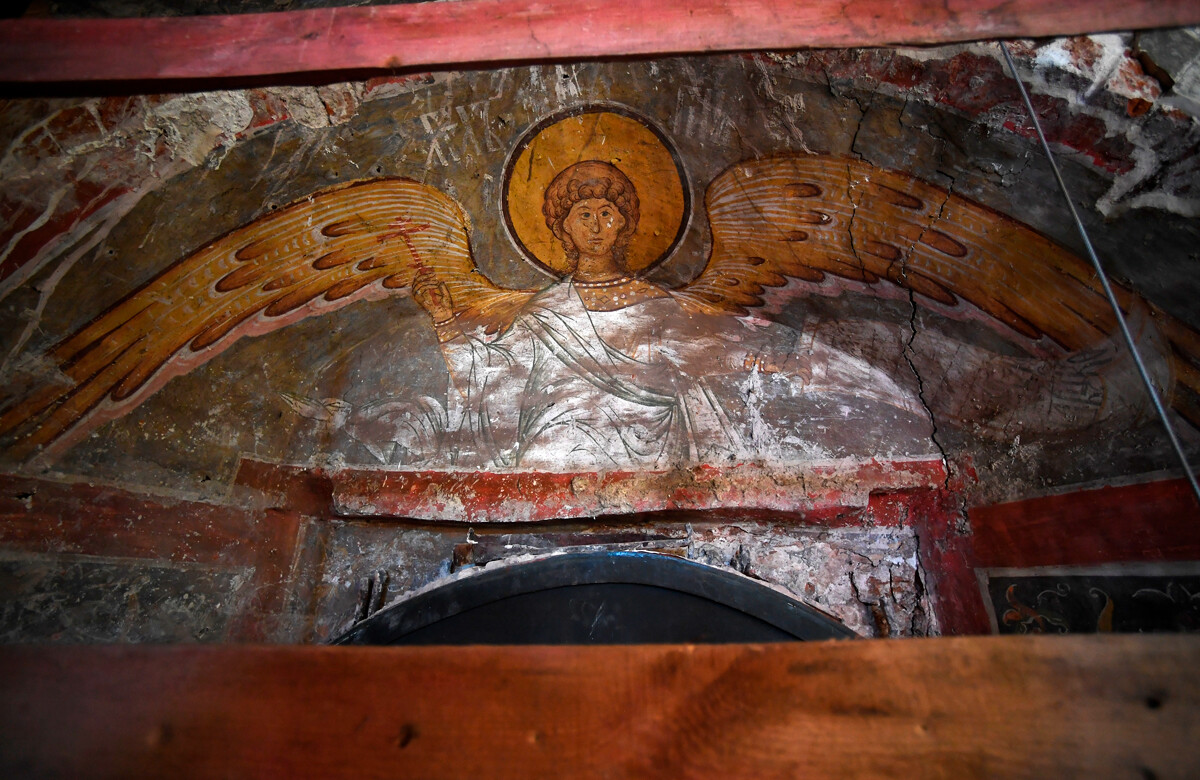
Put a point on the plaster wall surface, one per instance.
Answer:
(845, 489)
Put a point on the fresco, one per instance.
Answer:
(650, 328)
(1140, 599)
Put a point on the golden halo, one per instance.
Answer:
(610, 134)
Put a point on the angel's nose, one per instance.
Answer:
(594, 225)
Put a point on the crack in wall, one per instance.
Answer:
(907, 351)
(923, 613)
(862, 116)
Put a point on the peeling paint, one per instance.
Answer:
(102, 194)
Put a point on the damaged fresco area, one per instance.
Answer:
(274, 358)
(97, 564)
(869, 579)
(757, 262)
(88, 600)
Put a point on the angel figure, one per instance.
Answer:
(603, 368)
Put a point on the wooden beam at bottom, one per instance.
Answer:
(963, 707)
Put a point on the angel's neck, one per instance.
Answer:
(597, 268)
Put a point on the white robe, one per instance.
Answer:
(650, 385)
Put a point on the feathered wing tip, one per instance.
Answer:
(809, 217)
(347, 243)
(1185, 364)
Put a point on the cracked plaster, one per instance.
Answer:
(128, 159)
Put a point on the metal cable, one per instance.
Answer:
(1112, 299)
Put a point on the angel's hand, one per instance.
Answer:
(761, 363)
(791, 365)
(433, 296)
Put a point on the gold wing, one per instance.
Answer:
(351, 242)
(810, 216)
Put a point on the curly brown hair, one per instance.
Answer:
(591, 179)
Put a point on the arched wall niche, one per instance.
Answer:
(946, 116)
(314, 447)
(596, 598)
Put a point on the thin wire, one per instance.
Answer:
(1108, 291)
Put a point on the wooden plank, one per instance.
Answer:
(1004, 707)
(459, 32)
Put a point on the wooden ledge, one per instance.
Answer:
(965, 707)
(457, 32)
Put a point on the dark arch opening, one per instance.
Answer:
(597, 598)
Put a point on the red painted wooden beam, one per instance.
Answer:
(457, 32)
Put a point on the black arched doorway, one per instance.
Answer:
(597, 598)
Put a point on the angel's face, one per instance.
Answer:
(593, 225)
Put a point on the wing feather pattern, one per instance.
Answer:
(351, 242)
(807, 217)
